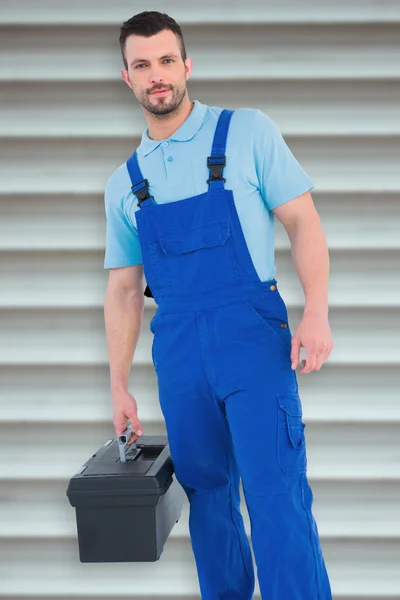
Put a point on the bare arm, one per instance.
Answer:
(311, 259)
(309, 250)
(123, 315)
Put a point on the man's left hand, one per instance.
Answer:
(314, 334)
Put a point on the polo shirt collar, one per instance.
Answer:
(185, 132)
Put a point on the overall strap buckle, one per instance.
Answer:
(141, 191)
(216, 165)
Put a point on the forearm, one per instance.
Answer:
(311, 260)
(123, 315)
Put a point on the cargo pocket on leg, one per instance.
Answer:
(291, 451)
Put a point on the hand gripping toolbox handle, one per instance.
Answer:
(123, 440)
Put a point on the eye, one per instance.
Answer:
(139, 65)
(171, 59)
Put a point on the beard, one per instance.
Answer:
(163, 105)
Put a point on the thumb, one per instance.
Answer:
(136, 425)
(295, 352)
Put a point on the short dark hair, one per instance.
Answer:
(149, 23)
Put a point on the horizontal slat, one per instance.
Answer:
(109, 110)
(69, 222)
(344, 164)
(170, 595)
(355, 568)
(127, 595)
(62, 222)
(342, 509)
(56, 452)
(53, 12)
(60, 337)
(353, 281)
(73, 337)
(78, 279)
(51, 571)
(72, 395)
(346, 451)
(271, 51)
(352, 221)
(82, 394)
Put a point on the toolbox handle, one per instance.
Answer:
(123, 440)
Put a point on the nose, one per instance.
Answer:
(155, 77)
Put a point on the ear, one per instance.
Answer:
(125, 77)
(188, 67)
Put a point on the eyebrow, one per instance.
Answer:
(139, 60)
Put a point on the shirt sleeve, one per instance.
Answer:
(122, 239)
(280, 175)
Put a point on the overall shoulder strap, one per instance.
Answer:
(217, 161)
(140, 186)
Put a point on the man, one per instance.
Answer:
(193, 207)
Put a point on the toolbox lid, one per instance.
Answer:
(148, 470)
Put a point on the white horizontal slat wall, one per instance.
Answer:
(329, 74)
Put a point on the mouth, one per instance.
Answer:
(159, 93)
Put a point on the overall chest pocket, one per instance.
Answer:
(292, 457)
(196, 259)
(207, 235)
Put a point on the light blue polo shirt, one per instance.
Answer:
(260, 169)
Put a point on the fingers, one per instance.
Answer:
(137, 428)
(319, 361)
(328, 351)
(315, 360)
(322, 357)
(309, 364)
(120, 424)
(295, 352)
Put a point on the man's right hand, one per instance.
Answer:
(125, 407)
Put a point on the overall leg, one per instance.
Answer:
(264, 414)
(202, 453)
(283, 529)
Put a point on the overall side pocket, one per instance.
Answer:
(274, 320)
(291, 451)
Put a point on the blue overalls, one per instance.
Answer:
(221, 351)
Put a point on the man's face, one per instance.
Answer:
(156, 72)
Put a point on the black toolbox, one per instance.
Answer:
(125, 511)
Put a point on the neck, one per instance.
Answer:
(161, 129)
